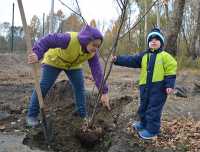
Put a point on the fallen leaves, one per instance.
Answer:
(179, 135)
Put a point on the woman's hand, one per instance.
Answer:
(32, 58)
(105, 101)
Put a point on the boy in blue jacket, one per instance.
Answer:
(157, 80)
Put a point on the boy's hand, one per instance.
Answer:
(105, 101)
(169, 90)
(32, 58)
(113, 58)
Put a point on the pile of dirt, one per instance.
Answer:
(66, 124)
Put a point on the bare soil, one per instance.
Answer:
(16, 84)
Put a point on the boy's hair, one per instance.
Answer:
(156, 33)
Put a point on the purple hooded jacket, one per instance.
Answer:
(61, 40)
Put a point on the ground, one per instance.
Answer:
(180, 129)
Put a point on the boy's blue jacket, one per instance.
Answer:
(156, 67)
(158, 72)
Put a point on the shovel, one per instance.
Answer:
(46, 125)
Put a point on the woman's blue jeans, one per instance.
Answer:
(48, 77)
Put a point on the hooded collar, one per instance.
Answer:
(88, 34)
(154, 50)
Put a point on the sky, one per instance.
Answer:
(101, 10)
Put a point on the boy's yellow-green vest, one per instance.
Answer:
(165, 65)
(71, 57)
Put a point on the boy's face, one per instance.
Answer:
(93, 45)
(154, 43)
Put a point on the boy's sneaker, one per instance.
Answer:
(145, 134)
(32, 121)
(137, 126)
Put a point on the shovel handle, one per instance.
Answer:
(29, 48)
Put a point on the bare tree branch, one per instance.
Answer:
(140, 19)
(119, 5)
(123, 3)
(112, 51)
(79, 14)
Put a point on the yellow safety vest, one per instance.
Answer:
(165, 65)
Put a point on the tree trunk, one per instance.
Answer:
(198, 46)
(145, 23)
(51, 17)
(158, 14)
(174, 27)
(166, 12)
(193, 48)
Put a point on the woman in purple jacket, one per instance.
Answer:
(66, 52)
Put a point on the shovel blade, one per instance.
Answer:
(47, 126)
